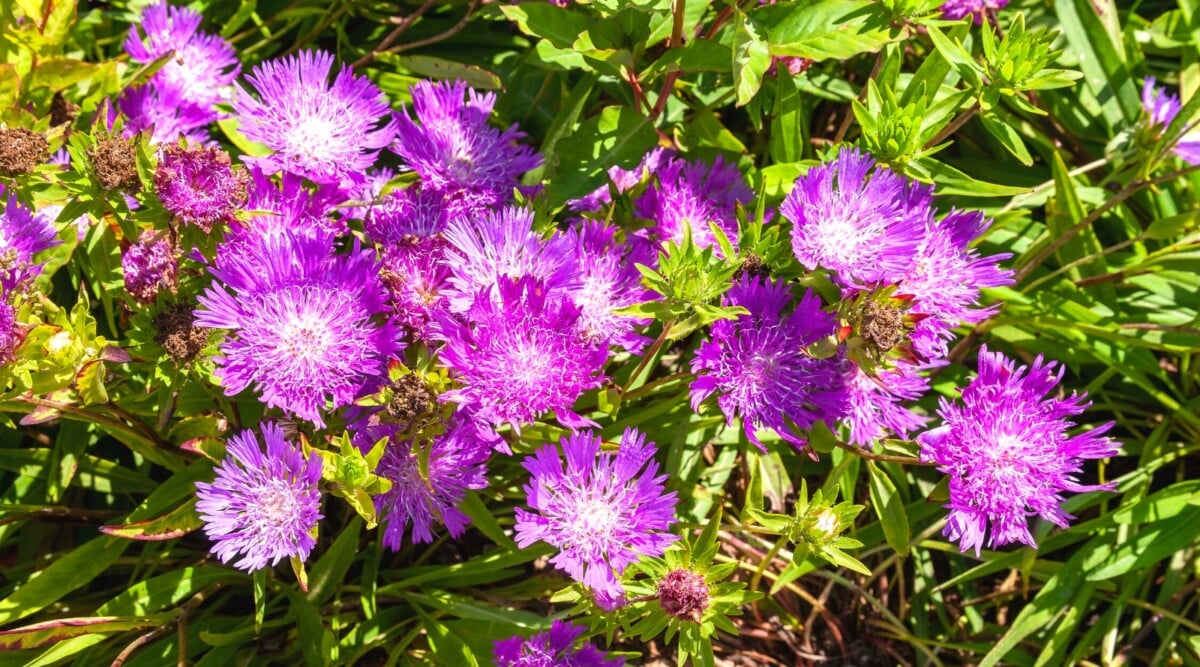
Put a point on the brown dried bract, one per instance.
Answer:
(178, 333)
(21, 150)
(114, 162)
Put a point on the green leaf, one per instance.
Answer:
(824, 29)
(10, 85)
(1093, 33)
(889, 507)
(1172, 226)
(440, 68)
(63, 575)
(59, 73)
(52, 632)
(1159, 506)
(947, 180)
(617, 136)
(1152, 543)
(750, 59)
(560, 26)
(331, 568)
(176, 523)
(1008, 137)
(1057, 593)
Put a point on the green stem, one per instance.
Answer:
(655, 347)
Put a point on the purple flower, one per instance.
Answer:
(201, 67)
(502, 243)
(304, 323)
(326, 133)
(758, 364)
(944, 277)
(520, 355)
(622, 179)
(862, 229)
(957, 9)
(875, 404)
(455, 150)
(1162, 107)
(23, 234)
(416, 274)
(603, 512)
(10, 331)
(689, 195)
(277, 211)
(416, 211)
(199, 185)
(149, 266)
(1007, 451)
(457, 462)
(164, 113)
(608, 279)
(553, 648)
(261, 507)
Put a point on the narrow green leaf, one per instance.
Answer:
(63, 575)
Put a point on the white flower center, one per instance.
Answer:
(311, 136)
(305, 337)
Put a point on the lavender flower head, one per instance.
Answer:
(1162, 107)
(502, 243)
(199, 185)
(603, 511)
(520, 355)
(261, 508)
(875, 405)
(758, 365)
(863, 229)
(149, 266)
(689, 195)
(954, 10)
(23, 234)
(307, 327)
(1007, 451)
(457, 463)
(328, 133)
(608, 279)
(454, 150)
(553, 648)
(202, 66)
(945, 276)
